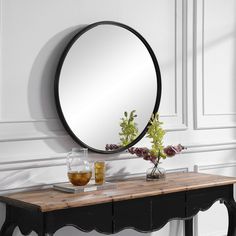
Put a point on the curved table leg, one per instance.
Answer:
(231, 207)
(7, 229)
(188, 226)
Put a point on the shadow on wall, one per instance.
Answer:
(41, 87)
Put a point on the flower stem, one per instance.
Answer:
(156, 163)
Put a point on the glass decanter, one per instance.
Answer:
(79, 170)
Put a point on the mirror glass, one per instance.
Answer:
(106, 69)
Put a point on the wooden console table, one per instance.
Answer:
(137, 204)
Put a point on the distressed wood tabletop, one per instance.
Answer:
(49, 199)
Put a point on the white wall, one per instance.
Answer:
(195, 43)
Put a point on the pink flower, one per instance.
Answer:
(153, 159)
(145, 151)
(171, 150)
(138, 152)
(132, 150)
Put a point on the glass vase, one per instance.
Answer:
(79, 170)
(156, 172)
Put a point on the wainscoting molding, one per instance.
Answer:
(203, 119)
(178, 120)
(173, 122)
(209, 147)
(12, 131)
(49, 135)
(27, 121)
(59, 159)
(1, 36)
(215, 166)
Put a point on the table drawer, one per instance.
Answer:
(167, 207)
(135, 213)
(202, 199)
(88, 218)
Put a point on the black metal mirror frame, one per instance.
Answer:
(57, 79)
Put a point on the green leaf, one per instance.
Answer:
(156, 134)
(129, 129)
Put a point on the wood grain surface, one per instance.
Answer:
(50, 199)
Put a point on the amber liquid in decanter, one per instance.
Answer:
(79, 178)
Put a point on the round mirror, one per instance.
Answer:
(107, 72)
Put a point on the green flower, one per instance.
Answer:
(129, 129)
(156, 133)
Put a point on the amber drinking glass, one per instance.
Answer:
(100, 169)
(79, 170)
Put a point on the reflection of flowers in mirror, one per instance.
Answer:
(110, 147)
(128, 133)
(129, 129)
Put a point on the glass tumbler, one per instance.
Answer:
(100, 169)
(79, 170)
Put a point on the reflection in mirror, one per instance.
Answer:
(129, 131)
(106, 70)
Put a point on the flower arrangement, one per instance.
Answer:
(155, 132)
(157, 152)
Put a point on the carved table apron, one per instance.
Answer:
(137, 204)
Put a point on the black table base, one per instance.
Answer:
(146, 214)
